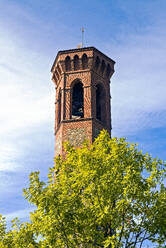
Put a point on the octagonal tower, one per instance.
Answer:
(82, 106)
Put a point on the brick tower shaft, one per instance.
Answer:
(82, 106)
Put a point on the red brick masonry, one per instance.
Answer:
(93, 70)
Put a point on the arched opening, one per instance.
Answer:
(76, 62)
(100, 103)
(77, 101)
(102, 66)
(84, 61)
(97, 62)
(59, 106)
(108, 70)
(67, 63)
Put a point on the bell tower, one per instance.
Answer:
(82, 105)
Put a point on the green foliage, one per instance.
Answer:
(107, 194)
(21, 235)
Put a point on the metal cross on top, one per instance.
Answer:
(81, 45)
(82, 36)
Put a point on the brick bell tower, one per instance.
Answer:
(82, 106)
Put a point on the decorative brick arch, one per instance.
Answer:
(75, 81)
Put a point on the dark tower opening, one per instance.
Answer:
(97, 62)
(67, 63)
(59, 107)
(76, 62)
(102, 66)
(100, 104)
(84, 61)
(77, 101)
(108, 70)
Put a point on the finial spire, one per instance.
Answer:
(82, 36)
(81, 45)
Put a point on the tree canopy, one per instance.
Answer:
(108, 194)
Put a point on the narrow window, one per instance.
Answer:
(102, 66)
(59, 107)
(68, 63)
(76, 62)
(97, 62)
(77, 101)
(100, 104)
(108, 70)
(84, 61)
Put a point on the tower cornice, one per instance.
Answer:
(76, 50)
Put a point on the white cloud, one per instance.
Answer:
(22, 109)
(138, 86)
(8, 157)
(26, 97)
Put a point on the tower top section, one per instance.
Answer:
(81, 59)
(83, 100)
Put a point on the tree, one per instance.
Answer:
(108, 194)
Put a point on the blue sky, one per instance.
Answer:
(131, 32)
